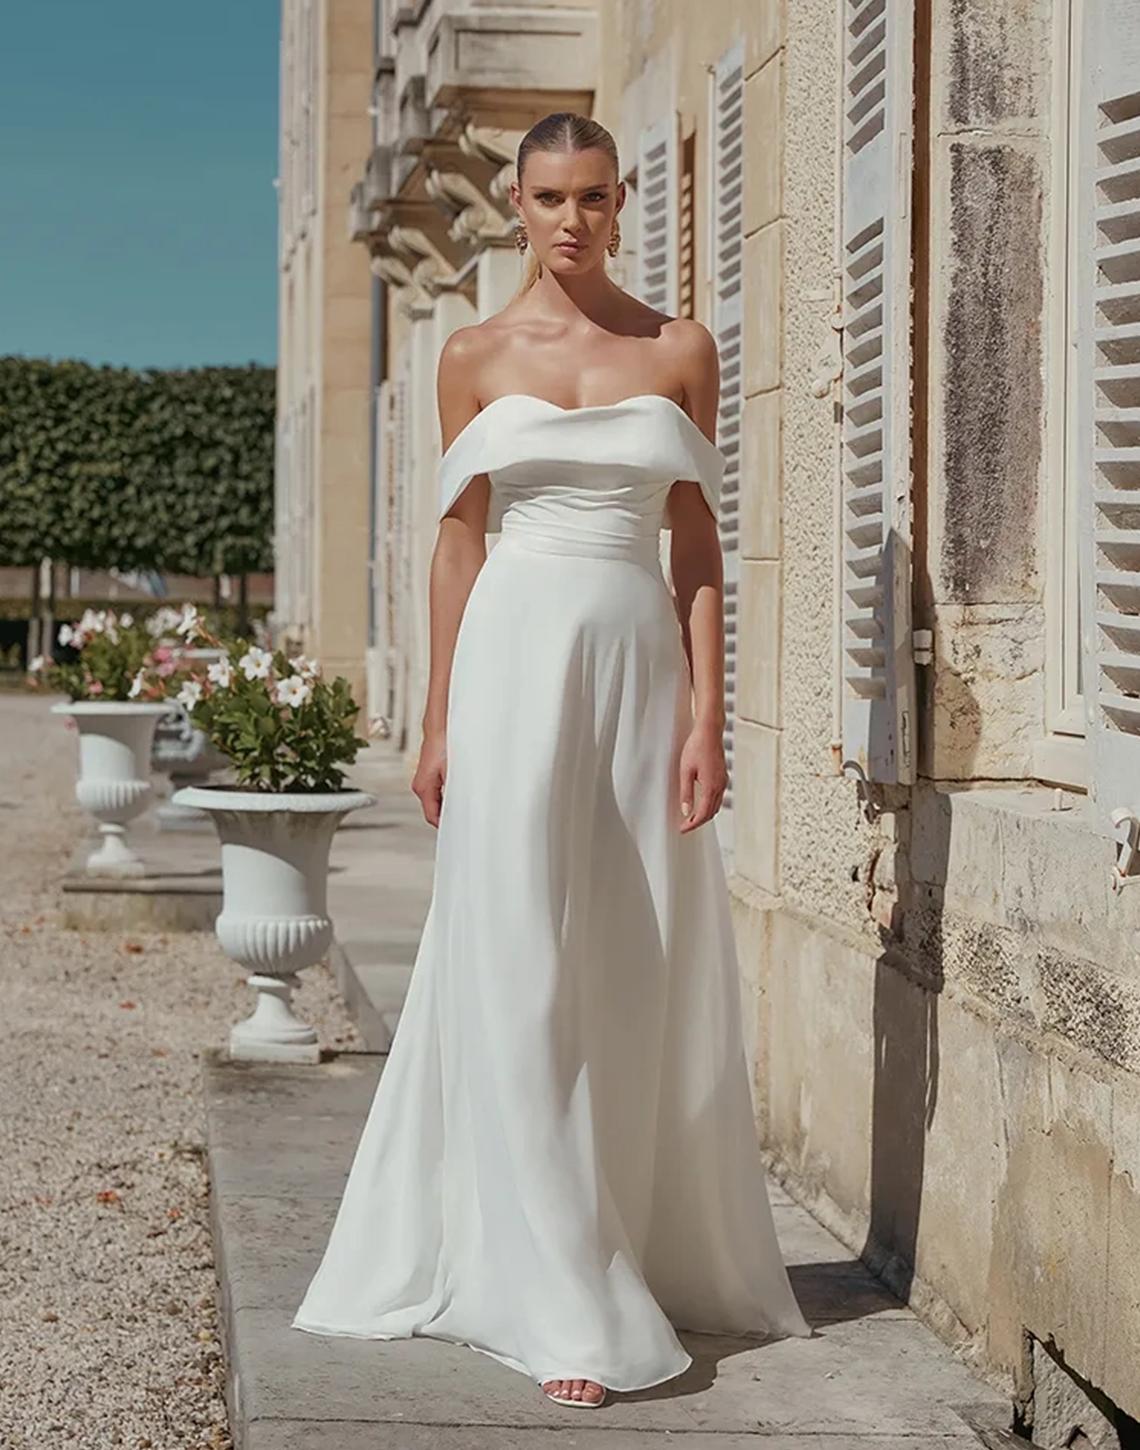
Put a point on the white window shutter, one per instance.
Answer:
(1108, 407)
(877, 682)
(727, 203)
(657, 196)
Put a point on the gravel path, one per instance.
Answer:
(108, 1328)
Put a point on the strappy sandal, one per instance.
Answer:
(565, 1399)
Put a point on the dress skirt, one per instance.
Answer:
(560, 1165)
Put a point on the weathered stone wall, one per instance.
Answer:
(947, 999)
(990, 173)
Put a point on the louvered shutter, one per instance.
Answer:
(1108, 405)
(728, 315)
(657, 196)
(877, 665)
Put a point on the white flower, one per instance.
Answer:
(190, 693)
(293, 691)
(219, 673)
(189, 622)
(66, 634)
(163, 620)
(126, 620)
(91, 623)
(36, 665)
(136, 685)
(256, 663)
(305, 667)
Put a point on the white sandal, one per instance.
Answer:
(564, 1399)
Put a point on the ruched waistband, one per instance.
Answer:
(586, 543)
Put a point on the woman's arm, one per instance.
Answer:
(697, 567)
(460, 552)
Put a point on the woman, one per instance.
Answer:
(559, 1167)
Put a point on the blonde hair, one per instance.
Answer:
(559, 131)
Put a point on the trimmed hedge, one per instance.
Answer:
(106, 467)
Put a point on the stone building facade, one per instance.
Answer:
(915, 232)
(326, 344)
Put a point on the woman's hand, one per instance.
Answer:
(427, 783)
(703, 766)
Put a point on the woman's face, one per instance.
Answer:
(568, 201)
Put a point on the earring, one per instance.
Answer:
(522, 241)
(613, 246)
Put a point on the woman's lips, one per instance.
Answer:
(569, 246)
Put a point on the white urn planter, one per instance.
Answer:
(115, 740)
(275, 861)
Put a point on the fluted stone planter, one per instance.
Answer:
(275, 861)
(115, 740)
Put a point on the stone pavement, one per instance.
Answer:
(281, 1139)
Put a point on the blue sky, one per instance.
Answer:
(138, 217)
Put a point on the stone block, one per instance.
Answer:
(988, 424)
(953, 1065)
(820, 1059)
(761, 482)
(763, 312)
(992, 63)
(984, 696)
(758, 645)
(763, 126)
(756, 797)
(1048, 1272)
(764, 33)
(1122, 1310)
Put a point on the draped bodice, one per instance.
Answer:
(595, 477)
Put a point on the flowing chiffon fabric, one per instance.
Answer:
(560, 1167)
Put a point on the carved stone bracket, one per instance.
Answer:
(475, 219)
(428, 271)
(495, 145)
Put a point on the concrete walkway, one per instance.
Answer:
(280, 1143)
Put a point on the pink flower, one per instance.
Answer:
(96, 687)
(163, 652)
(167, 667)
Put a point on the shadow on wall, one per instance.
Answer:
(906, 888)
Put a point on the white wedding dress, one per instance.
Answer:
(560, 1166)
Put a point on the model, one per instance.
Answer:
(560, 1165)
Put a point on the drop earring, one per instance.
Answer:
(613, 246)
(522, 241)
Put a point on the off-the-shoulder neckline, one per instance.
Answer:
(581, 408)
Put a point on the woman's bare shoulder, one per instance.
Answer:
(690, 343)
(466, 350)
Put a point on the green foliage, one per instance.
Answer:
(105, 467)
(282, 727)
